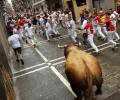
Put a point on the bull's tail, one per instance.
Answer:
(90, 83)
(90, 90)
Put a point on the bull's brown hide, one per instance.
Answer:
(82, 70)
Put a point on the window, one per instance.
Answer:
(80, 2)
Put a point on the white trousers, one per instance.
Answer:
(48, 32)
(110, 39)
(54, 29)
(32, 40)
(72, 34)
(116, 36)
(91, 42)
(99, 32)
(104, 30)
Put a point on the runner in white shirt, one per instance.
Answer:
(54, 28)
(66, 20)
(14, 41)
(85, 35)
(48, 29)
(31, 37)
(114, 17)
(60, 18)
(41, 22)
(63, 19)
(72, 28)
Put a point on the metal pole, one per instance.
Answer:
(99, 4)
(115, 5)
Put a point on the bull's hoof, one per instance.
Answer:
(78, 98)
(96, 53)
(98, 92)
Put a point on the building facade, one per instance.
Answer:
(46, 4)
(22, 5)
(38, 5)
(76, 6)
(6, 82)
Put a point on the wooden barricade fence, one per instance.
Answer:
(7, 83)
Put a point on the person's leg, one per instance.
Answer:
(85, 36)
(100, 32)
(117, 37)
(72, 35)
(104, 30)
(35, 26)
(47, 35)
(91, 42)
(110, 39)
(33, 41)
(20, 55)
(113, 44)
(56, 30)
(16, 55)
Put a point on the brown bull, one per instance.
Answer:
(83, 71)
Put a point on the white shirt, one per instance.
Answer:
(60, 17)
(53, 15)
(84, 24)
(26, 25)
(14, 30)
(114, 15)
(48, 26)
(41, 20)
(66, 17)
(113, 18)
(14, 40)
(72, 24)
(29, 31)
(63, 16)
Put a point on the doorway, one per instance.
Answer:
(71, 8)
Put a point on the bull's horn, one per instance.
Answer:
(78, 44)
(62, 46)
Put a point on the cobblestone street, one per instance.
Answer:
(43, 77)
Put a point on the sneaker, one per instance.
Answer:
(96, 53)
(76, 38)
(99, 37)
(113, 49)
(104, 39)
(17, 61)
(79, 43)
(34, 46)
(22, 62)
(117, 45)
(26, 42)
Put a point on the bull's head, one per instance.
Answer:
(69, 47)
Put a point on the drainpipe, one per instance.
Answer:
(99, 4)
(115, 4)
